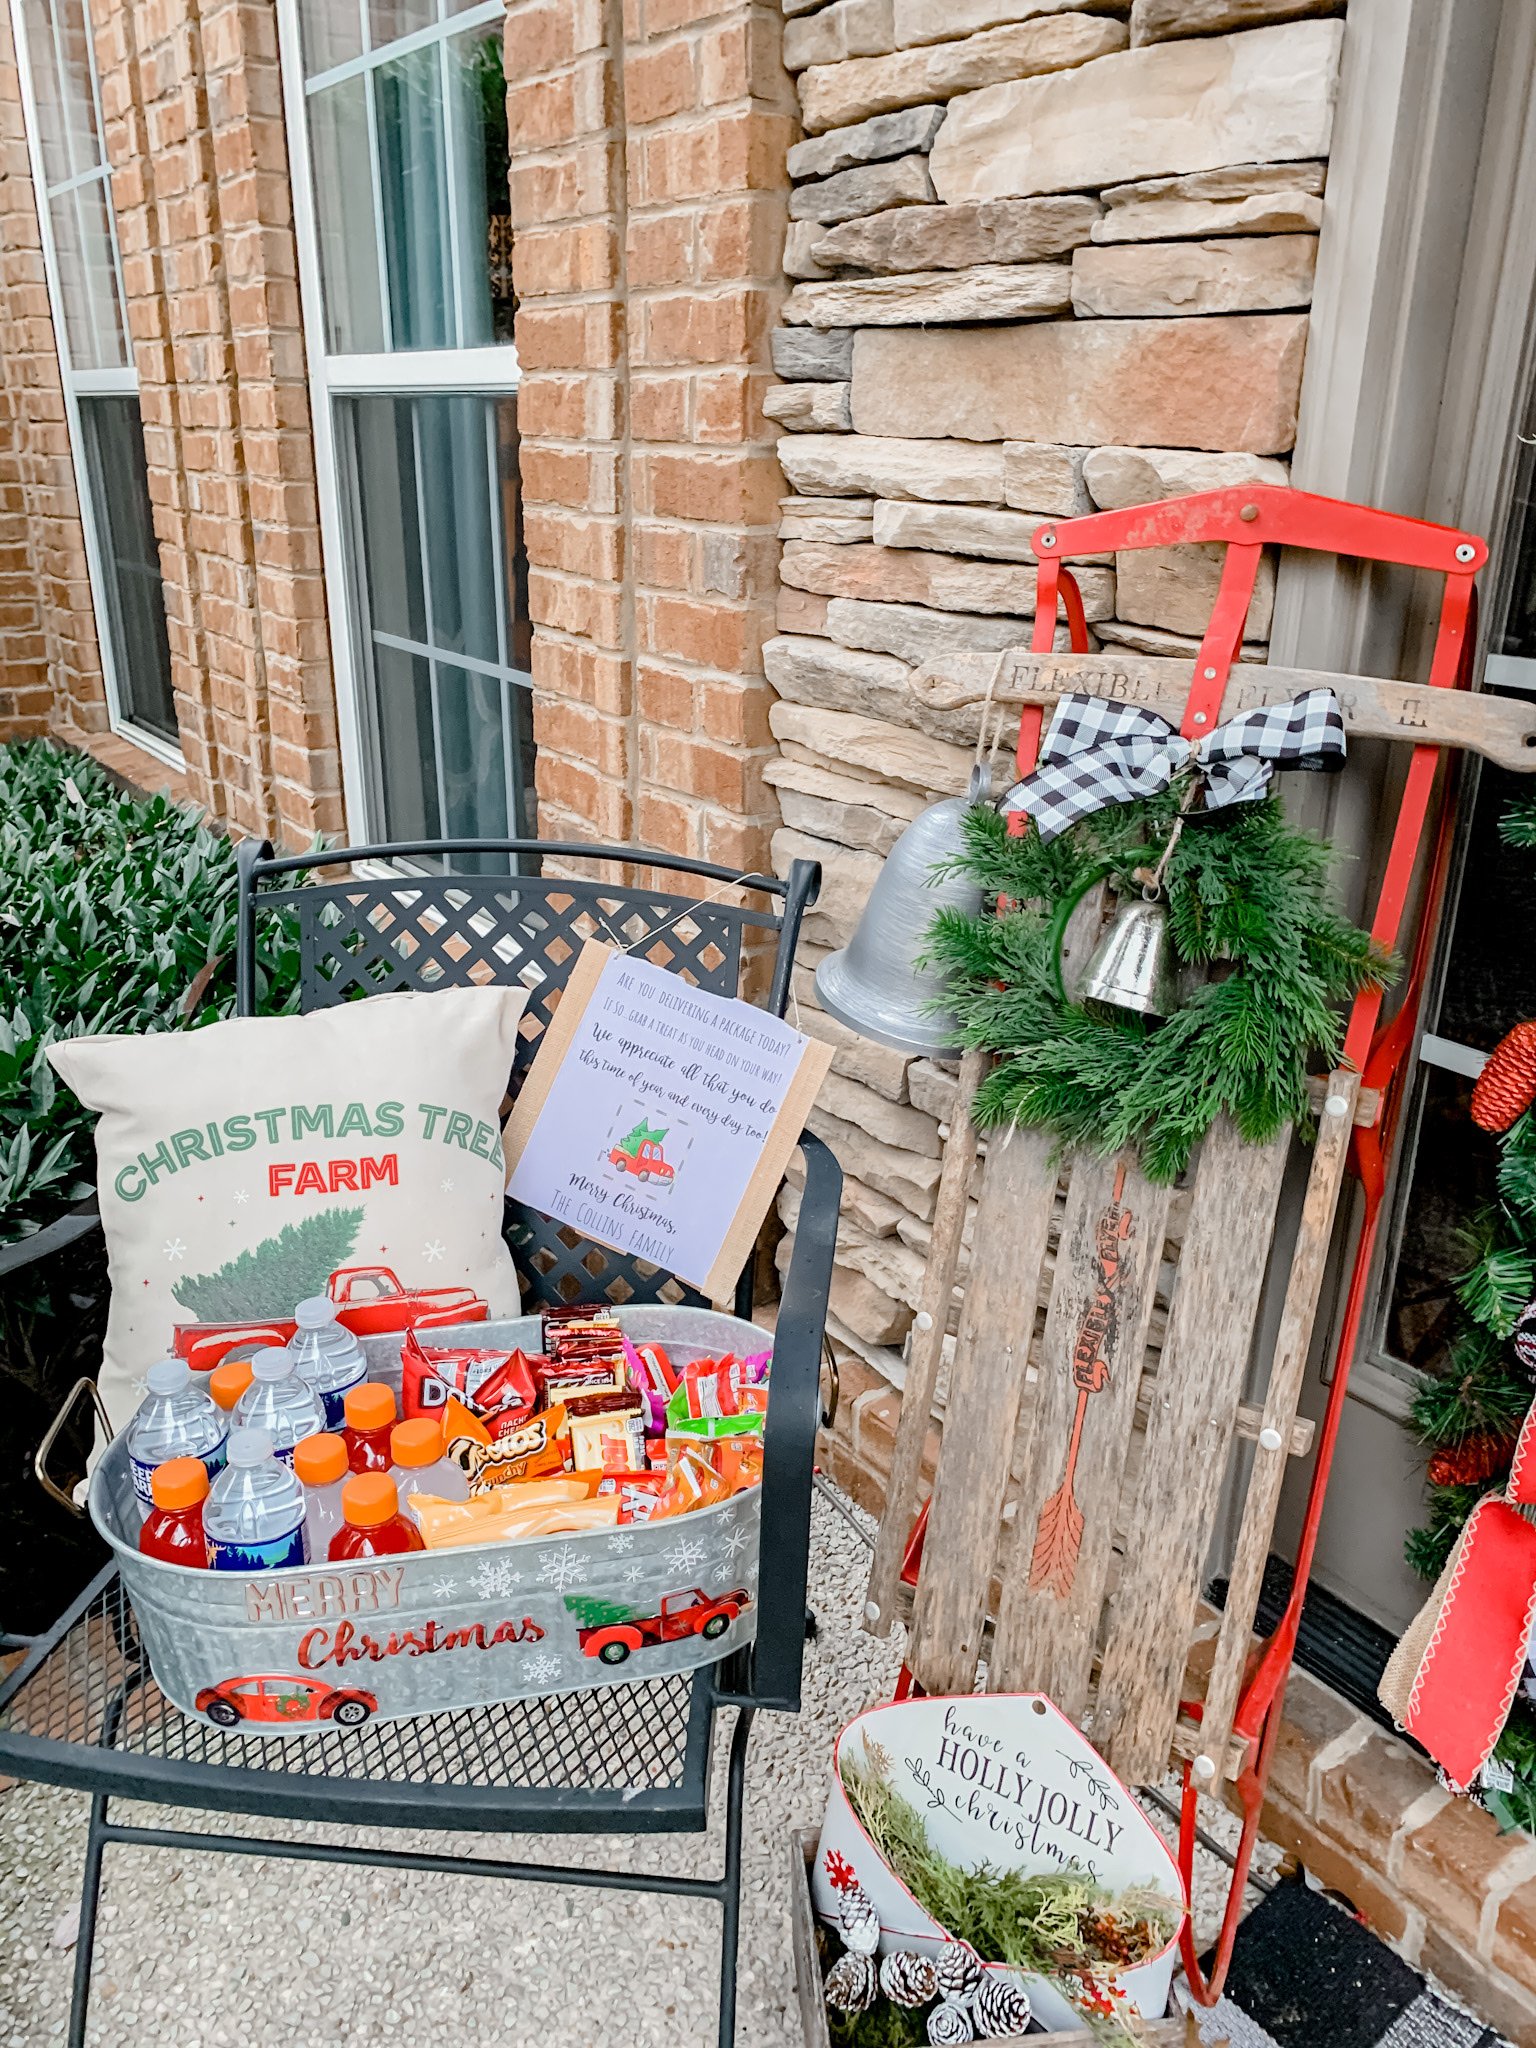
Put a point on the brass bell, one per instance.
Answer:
(1132, 966)
(875, 985)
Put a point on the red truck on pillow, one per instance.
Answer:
(369, 1299)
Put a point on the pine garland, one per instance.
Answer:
(1248, 900)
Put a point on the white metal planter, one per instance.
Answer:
(1004, 1779)
(295, 1651)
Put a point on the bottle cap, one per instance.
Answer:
(369, 1499)
(316, 1312)
(321, 1459)
(168, 1376)
(275, 1363)
(370, 1406)
(250, 1446)
(227, 1382)
(419, 1442)
(179, 1483)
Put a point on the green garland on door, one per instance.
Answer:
(1249, 906)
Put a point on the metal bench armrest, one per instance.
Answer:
(789, 1450)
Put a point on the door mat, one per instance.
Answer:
(1306, 1975)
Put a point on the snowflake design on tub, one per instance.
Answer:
(562, 1568)
(444, 1589)
(734, 1542)
(495, 1579)
(624, 1540)
(541, 1669)
(634, 1574)
(685, 1555)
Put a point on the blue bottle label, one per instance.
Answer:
(214, 1462)
(334, 1402)
(257, 1557)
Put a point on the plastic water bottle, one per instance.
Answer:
(419, 1465)
(254, 1516)
(320, 1465)
(277, 1400)
(176, 1419)
(326, 1355)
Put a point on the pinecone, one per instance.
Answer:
(949, 2025)
(1001, 2010)
(908, 1979)
(1506, 1087)
(958, 1973)
(1476, 1458)
(850, 1985)
(1525, 1338)
(860, 1921)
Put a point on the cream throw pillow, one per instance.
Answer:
(241, 1166)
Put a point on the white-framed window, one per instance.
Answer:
(1485, 983)
(61, 101)
(398, 147)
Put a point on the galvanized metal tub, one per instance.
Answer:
(292, 1652)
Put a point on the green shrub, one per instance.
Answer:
(117, 913)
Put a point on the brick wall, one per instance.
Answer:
(648, 151)
(194, 132)
(50, 669)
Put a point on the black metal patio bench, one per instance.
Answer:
(82, 1709)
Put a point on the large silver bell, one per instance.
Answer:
(1132, 965)
(875, 985)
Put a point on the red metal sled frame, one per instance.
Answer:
(1246, 521)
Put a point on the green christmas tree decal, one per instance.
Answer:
(271, 1276)
(592, 1611)
(640, 1135)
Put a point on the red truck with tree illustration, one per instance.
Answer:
(640, 1153)
(371, 1300)
(611, 1632)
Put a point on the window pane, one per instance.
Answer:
(1452, 1179)
(331, 32)
(407, 747)
(456, 455)
(1490, 983)
(58, 46)
(388, 20)
(417, 230)
(474, 754)
(479, 171)
(385, 455)
(135, 598)
(93, 317)
(437, 565)
(344, 218)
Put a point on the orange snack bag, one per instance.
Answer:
(533, 1450)
(694, 1483)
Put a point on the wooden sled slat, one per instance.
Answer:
(1188, 1438)
(927, 1350)
(1502, 729)
(981, 1418)
(1308, 1263)
(1075, 1431)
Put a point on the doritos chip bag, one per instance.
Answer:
(496, 1386)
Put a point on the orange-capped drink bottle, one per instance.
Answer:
(173, 1528)
(370, 1416)
(374, 1525)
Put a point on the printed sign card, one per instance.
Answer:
(658, 1118)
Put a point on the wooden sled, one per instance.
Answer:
(1085, 1448)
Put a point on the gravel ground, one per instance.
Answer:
(216, 1951)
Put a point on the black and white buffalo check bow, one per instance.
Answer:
(1098, 753)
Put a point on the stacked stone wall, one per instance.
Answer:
(1048, 259)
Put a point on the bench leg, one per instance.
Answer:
(85, 1938)
(730, 1927)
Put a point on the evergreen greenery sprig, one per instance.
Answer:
(1248, 898)
(1059, 1924)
